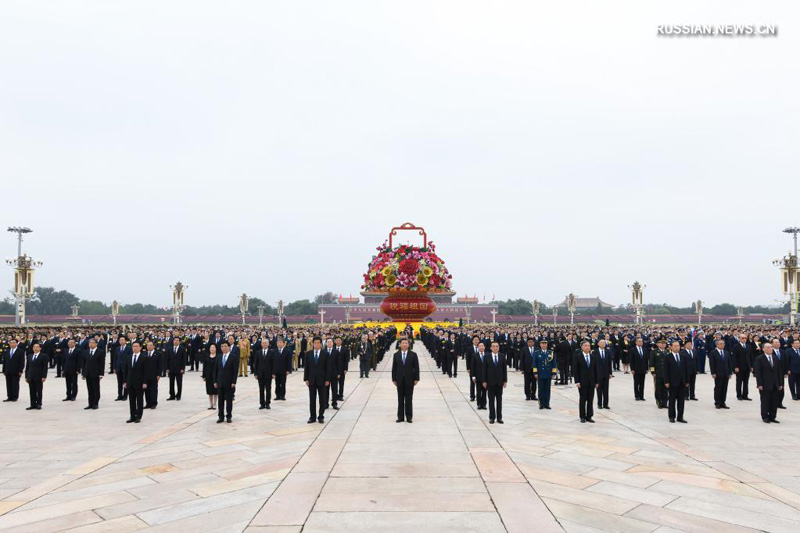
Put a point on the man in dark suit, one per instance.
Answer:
(469, 354)
(365, 352)
(792, 361)
(343, 356)
(13, 368)
(638, 359)
(72, 361)
(584, 372)
(783, 359)
(741, 367)
(605, 360)
(36, 375)
(405, 376)
(123, 351)
(691, 367)
(528, 362)
(478, 376)
(263, 363)
(333, 361)
(135, 382)
(154, 360)
(721, 366)
(227, 374)
(565, 352)
(282, 367)
(495, 379)
(317, 376)
(176, 367)
(676, 380)
(769, 379)
(94, 367)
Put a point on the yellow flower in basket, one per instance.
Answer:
(387, 270)
(422, 280)
(391, 279)
(427, 271)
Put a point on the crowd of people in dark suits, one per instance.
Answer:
(140, 356)
(588, 356)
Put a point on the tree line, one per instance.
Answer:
(522, 307)
(50, 301)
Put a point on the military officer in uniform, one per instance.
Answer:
(543, 371)
(657, 370)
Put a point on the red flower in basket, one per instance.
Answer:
(409, 266)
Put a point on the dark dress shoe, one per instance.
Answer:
(583, 420)
(66, 399)
(87, 407)
(590, 420)
(547, 407)
(774, 421)
(671, 420)
(682, 421)
(335, 407)
(399, 420)
(170, 398)
(268, 407)
(491, 421)
(138, 420)
(541, 407)
(765, 420)
(499, 421)
(262, 407)
(409, 421)
(725, 406)
(31, 408)
(781, 407)
(310, 421)
(219, 420)
(747, 399)
(129, 421)
(229, 418)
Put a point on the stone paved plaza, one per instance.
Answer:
(66, 468)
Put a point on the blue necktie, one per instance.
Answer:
(224, 360)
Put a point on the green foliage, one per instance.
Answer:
(301, 307)
(52, 302)
(326, 298)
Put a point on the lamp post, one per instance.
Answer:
(789, 280)
(536, 308)
(698, 309)
(280, 312)
(114, 311)
(178, 293)
(321, 317)
(637, 301)
(347, 314)
(789, 276)
(74, 311)
(740, 313)
(494, 316)
(555, 314)
(260, 314)
(24, 268)
(571, 307)
(244, 303)
(468, 312)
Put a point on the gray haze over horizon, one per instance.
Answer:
(269, 147)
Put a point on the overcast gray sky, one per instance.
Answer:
(268, 147)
